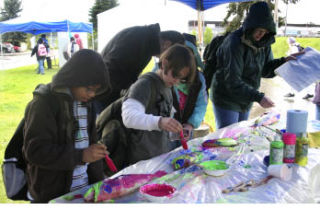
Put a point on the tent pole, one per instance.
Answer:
(92, 40)
(1, 44)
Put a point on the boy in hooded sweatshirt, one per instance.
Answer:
(243, 58)
(148, 105)
(60, 145)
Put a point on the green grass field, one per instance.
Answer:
(16, 86)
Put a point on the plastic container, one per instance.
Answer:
(276, 152)
(158, 193)
(289, 140)
(302, 146)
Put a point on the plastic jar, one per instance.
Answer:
(289, 140)
(302, 147)
(276, 152)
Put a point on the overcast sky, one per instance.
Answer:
(303, 12)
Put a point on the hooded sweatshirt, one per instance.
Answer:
(242, 62)
(49, 130)
(127, 54)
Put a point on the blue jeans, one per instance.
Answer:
(41, 67)
(317, 112)
(225, 117)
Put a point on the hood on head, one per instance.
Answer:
(260, 16)
(85, 68)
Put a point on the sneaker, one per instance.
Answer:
(306, 97)
(289, 95)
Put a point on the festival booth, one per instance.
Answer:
(34, 26)
(230, 165)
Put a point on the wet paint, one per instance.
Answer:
(158, 190)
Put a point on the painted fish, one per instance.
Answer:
(112, 188)
(267, 119)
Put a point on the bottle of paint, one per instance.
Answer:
(276, 152)
(289, 140)
(302, 147)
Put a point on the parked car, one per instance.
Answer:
(17, 48)
(6, 47)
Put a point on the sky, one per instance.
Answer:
(303, 12)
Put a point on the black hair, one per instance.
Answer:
(174, 37)
(40, 41)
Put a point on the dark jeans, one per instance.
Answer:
(225, 117)
(317, 112)
(49, 63)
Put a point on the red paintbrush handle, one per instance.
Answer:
(110, 164)
(183, 141)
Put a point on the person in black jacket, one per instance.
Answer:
(48, 58)
(129, 52)
(60, 144)
(243, 58)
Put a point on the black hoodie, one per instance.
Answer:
(127, 54)
(49, 130)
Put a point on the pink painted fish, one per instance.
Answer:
(112, 188)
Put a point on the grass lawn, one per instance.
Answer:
(16, 86)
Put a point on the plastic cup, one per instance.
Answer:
(280, 171)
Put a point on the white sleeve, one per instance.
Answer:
(134, 116)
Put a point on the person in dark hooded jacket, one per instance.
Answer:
(60, 145)
(244, 57)
(129, 52)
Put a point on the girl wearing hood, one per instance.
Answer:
(60, 145)
(152, 119)
(244, 57)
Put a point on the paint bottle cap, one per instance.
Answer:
(289, 138)
(277, 144)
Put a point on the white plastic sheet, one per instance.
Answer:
(246, 163)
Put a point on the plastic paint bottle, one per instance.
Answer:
(276, 152)
(289, 140)
(302, 147)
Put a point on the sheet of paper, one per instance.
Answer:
(302, 72)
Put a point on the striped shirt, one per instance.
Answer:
(80, 176)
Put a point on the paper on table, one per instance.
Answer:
(302, 72)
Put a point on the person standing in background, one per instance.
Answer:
(48, 58)
(41, 52)
(78, 41)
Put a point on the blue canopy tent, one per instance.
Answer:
(202, 5)
(34, 27)
(30, 25)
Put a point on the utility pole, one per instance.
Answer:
(276, 17)
(285, 27)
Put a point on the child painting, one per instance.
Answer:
(60, 145)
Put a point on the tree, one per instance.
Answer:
(11, 10)
(207, 36)
(240, 10)
(98, 7)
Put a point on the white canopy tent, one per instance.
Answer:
(166, 13)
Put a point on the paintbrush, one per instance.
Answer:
(109, 161)
(183, 141)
